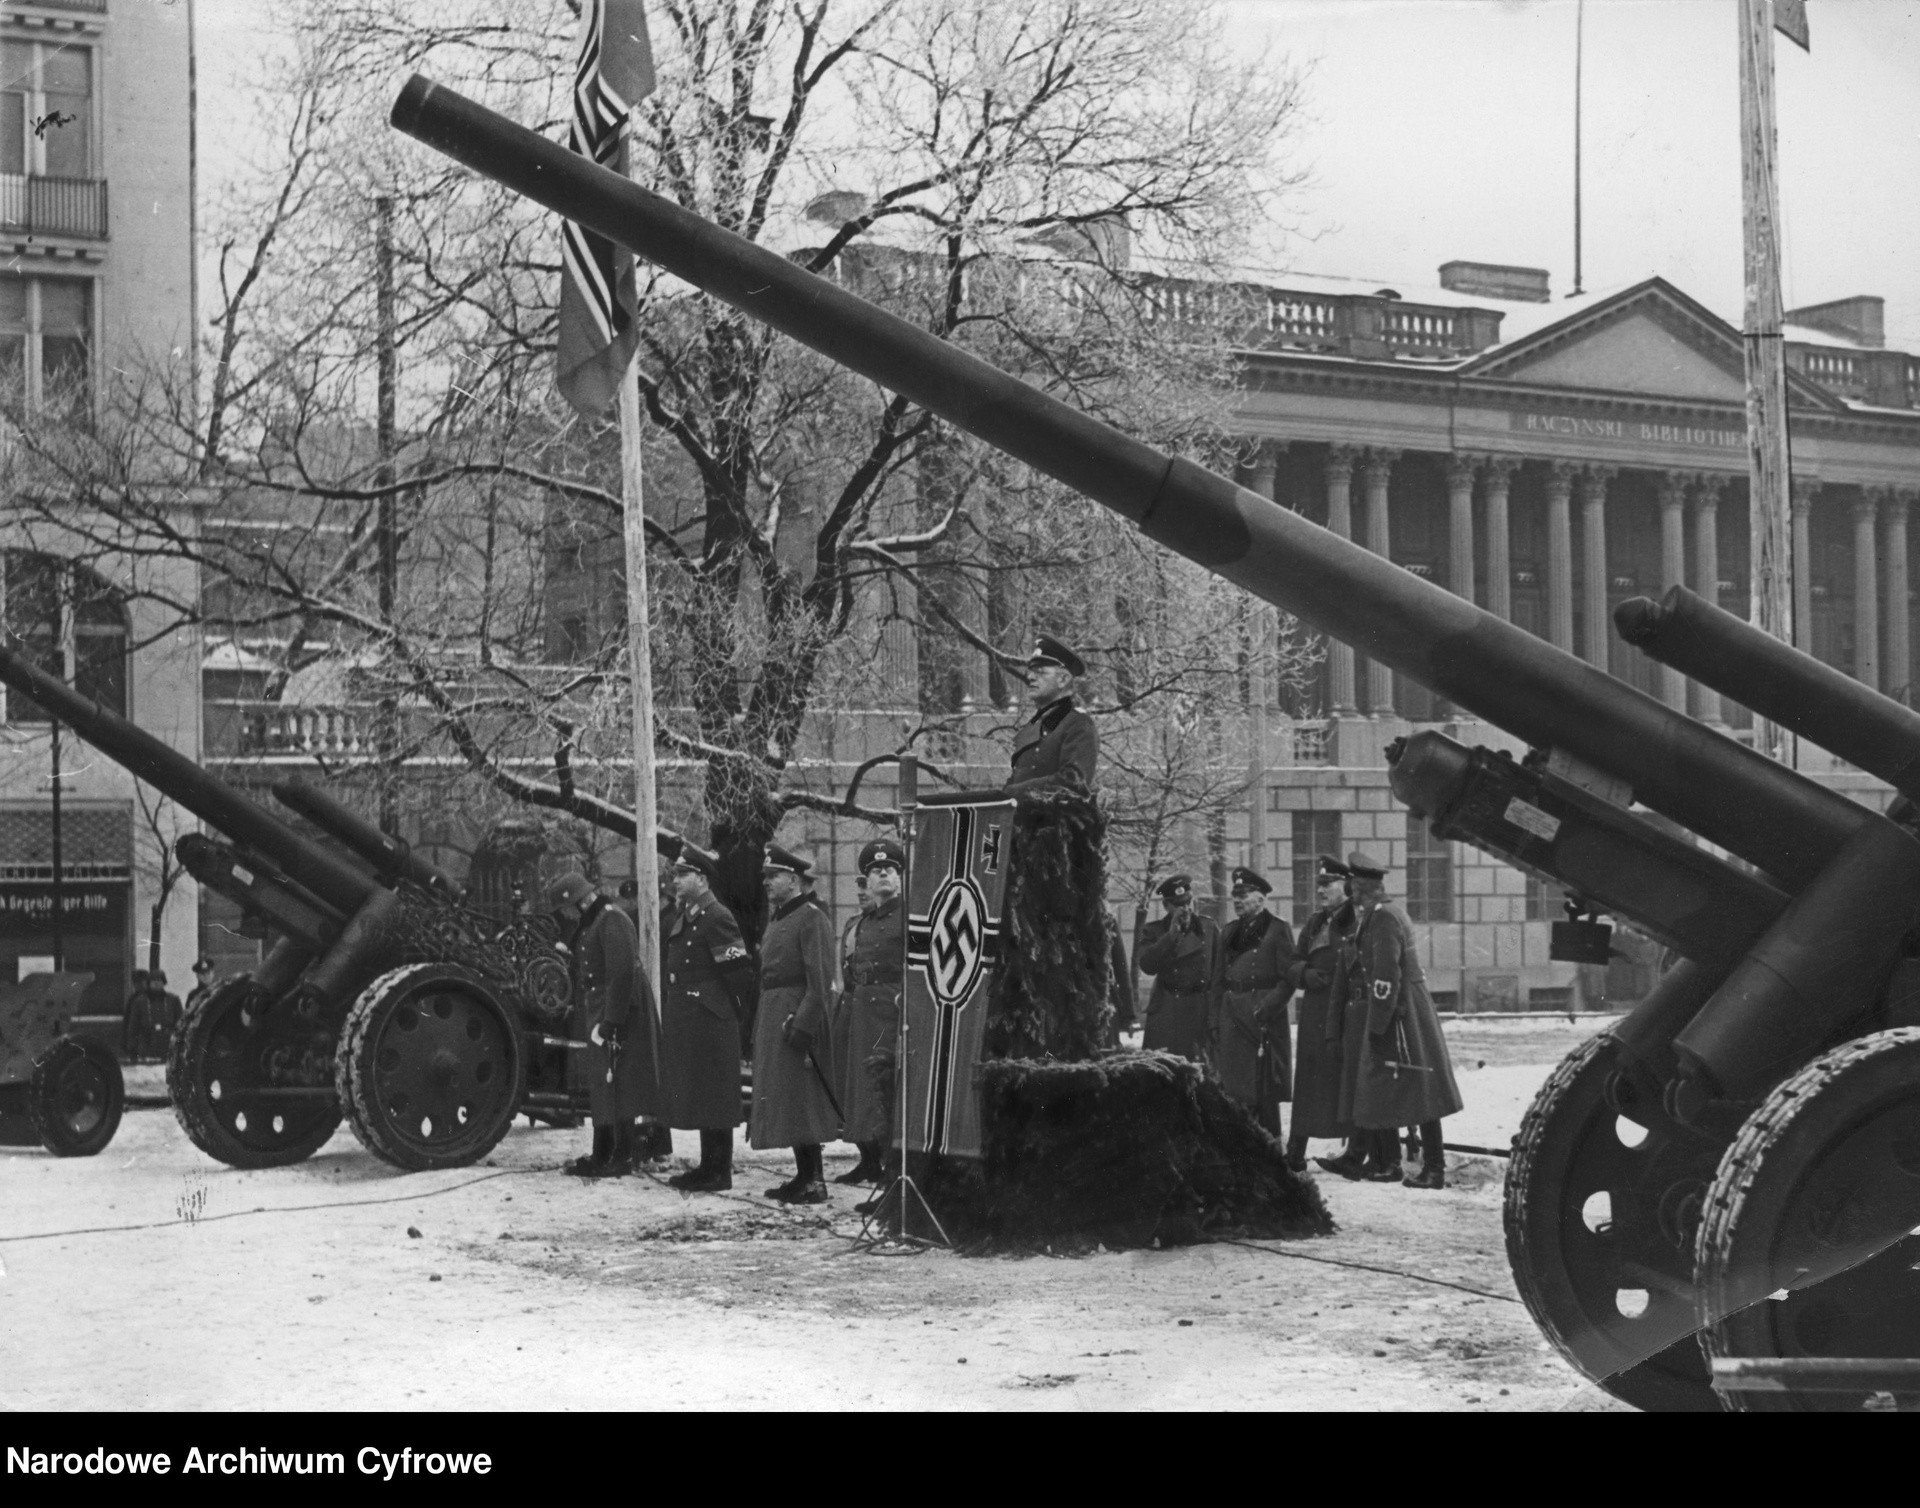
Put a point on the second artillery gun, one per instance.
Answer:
(1737, 1160)
(383, 998)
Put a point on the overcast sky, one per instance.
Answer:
(1444, 128)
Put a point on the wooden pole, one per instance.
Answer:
(1770, 557)
(646, 806)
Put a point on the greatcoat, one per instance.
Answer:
(623, 1080)
(873, 1018)
(791, 1107)
(1058, 746)
(1400, 1070)
(1180, 965)
(1250, 1008)
(1316, 1075)
(839, 1018)
(708, 972)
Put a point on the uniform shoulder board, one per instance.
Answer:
(1382, 988)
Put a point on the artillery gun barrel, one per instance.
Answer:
(1780, 683)
(392, 858)
(1731, 795)
(342, 886)
(258, 891)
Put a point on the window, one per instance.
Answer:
(1429, 875)
(46, 335)
(1545, 901)
(72, 625)
(1314, 833)
(46, 109)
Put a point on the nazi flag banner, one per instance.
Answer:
(955, 889)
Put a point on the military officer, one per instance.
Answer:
(1315, 967)
(1177, 953)
(839, 1025)
(873, 976)
(616, 1001)
(1248, 1029)
(709, 976)
(793, 1104)
(1400, 1069)
(1059, 746)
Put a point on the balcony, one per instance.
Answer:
(1886, 379)
(1370, 326)
(54, 206)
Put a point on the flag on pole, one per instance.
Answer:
(1790, 20)
(597, 300)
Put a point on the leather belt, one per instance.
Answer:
(1186, 989)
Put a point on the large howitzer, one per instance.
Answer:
(382, 998)
(1790, 945)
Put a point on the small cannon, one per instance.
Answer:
(58, 1090)
(383, 998)
(1738, 1160)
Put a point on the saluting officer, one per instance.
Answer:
(1177, 953)
(708, 977)
(793, 1106)
(1058, 746)
(1401, 1072)
(873, 974)
(1315, 968)
(616, 1000)
(1249, 1027)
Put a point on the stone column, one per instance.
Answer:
(1593, 560)
(1262, 629)
(1560, 556)
(1340, 459)
(1375, 475)
(1804, 490)
(1866, 587)
(1496, 476)
(1897, 654)
(1706, 574)
(1673, 569)
(1460, 472)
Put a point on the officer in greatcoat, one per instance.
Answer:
(616, 1004)
(1316, 965)
(1059, 746)
(1248, 1030)
(1402, 1074)
(873, 976)
(709, 979)
(794, 1105)
(839, 1024)
(1177, 953)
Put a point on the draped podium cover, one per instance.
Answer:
(955, 890)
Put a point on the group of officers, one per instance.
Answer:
(818, 1013)
(1370, 1060)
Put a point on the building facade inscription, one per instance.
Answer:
(1627, 431)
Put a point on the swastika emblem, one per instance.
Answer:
(957, 941)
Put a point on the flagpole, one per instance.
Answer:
(646, 806)
(1769, 522)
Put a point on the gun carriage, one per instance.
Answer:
(1738, 1159)
(382, 997)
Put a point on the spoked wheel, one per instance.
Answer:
(1806, 1246)
(251, 1083)
(430, 1067)
(76, 1098)
(1600, 1211)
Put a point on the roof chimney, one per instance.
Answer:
(1862, 318)
(1519, 285)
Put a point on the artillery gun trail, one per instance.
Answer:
(424, 1022)
(1734, 1167)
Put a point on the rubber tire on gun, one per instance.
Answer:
(227, 1045)
(76, 1097)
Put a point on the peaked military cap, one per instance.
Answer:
(882, 851)
(780, 858)
(1245, 881)
(569, 889)
(1332, 869)
(1177, 887)
(1049, 651)
(697, 859)
(1364, 866)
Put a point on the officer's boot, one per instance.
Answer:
(1433, 1159)
(651, 1139)
(1297, 1151)
(715, 1172)
(1384, 1164)
(889, 1171)
(808, 1186)
(618, 1159)
(1351, 1160)
(867, 1169)
(591, 1165)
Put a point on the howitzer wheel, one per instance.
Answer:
(1598, 1234)
(431, 1067)
(76, 1097)
(1823, 1178)
(230, 1054)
